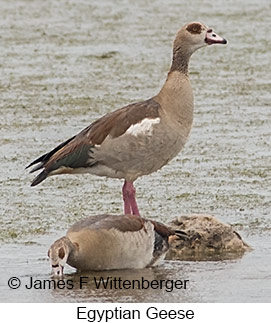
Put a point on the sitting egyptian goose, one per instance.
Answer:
(104, 242)
(140, 138)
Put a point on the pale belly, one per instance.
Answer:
(131, 158)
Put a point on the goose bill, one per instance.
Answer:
(213, 38)
(57, 271)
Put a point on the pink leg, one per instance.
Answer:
(130, 205)
(125, 195)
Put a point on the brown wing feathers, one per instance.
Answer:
(162, 229)
(124, 223)
(44, 158)
(74, 152)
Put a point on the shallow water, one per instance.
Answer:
(63, 64)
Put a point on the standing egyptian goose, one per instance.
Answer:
(105, 242)
(140, 138)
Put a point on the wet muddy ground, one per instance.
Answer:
(65, 63)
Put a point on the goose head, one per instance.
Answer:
(195, 35)
(58, 254)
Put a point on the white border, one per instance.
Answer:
(67, 312)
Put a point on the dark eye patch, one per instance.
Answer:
(194, 28)
(61, 253)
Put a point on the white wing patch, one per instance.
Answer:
(143, 127)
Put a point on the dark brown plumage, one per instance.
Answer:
(73, 153)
